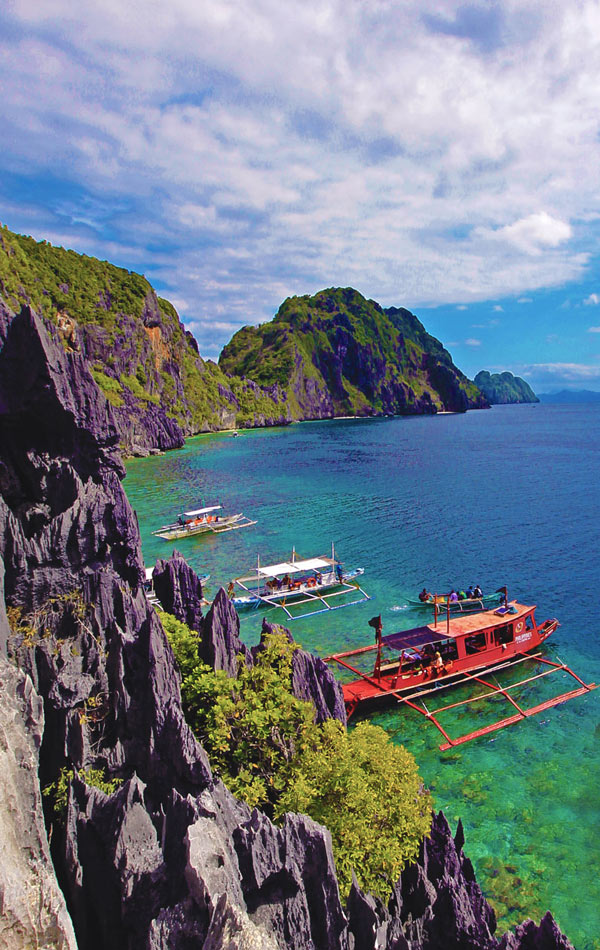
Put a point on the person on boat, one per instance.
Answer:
(230, 589)
(286, 581)
(340, 573)
(453, 598)
(470, 592)
(424, 596)
(461, 595)
(477, 592)
(438, 663)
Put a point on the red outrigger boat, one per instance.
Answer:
(415, 664)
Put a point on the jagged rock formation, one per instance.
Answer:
(339, 354)
(504, 388)
(141, 356)
(170, 859)
(179, 590)
(33, 910)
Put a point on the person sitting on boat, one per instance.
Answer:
(477, 592)
(453, 598)
(470, 592)
(286, 581)
(438, 663)
(424, 596)
(461, 595)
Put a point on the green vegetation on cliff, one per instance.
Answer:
(332, 354)
(141, 356)
(265, 745)
(503, 388)
(339, 353)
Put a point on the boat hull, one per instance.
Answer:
(468, 604)
(264, 595)
(174, 532)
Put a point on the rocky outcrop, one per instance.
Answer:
(312, 680)
(438, 905)
(340, 354)
(179, 590)
(169, 858)
(33, 909)
(144, 360)
(504, 388)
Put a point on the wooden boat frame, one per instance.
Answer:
(201, 521)
(386, 681)
(305, 590)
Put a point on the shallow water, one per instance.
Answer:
(506, 496)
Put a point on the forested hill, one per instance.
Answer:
(139, 352)
(503, 388)
(332, 354)
(338, 353)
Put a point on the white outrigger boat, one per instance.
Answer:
(202, 521)
(290, 584)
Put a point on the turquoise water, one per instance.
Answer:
(508, 496)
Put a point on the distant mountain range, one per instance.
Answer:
(504, 388)
(571, 395)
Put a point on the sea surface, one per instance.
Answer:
(506, 496)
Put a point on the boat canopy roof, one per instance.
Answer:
(201, 511)
(414, 639)
(149, 572)
(287, 567)
(468, 624)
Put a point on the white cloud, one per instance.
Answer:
(498, 309)
(472, 342)
(568, 372)
(532, 234)
(593, 329)
(242, 150)
(592, 301)
(525, 300)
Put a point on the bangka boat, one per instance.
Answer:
(462, 605)
(202, 521)
(290, 584)
(412, 665)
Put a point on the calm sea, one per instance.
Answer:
(506, 496)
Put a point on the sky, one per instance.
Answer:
(439, 156)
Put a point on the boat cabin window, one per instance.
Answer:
(503, 634)
(475, 643)
(448, 650)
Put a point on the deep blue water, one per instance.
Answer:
(505, 496)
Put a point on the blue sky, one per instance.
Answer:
(440, 156)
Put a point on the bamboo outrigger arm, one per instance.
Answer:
(496, 690)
